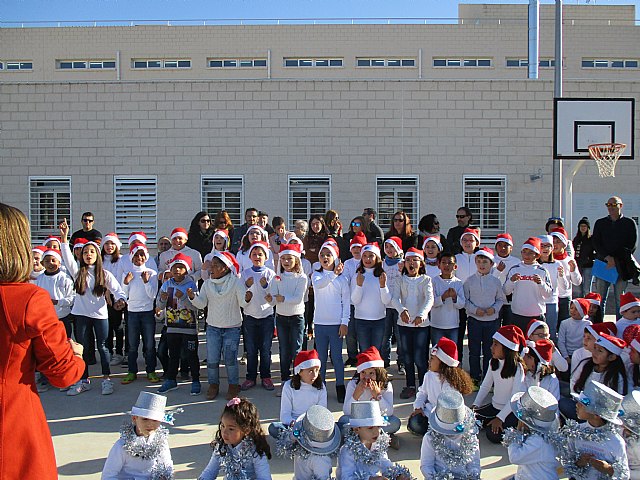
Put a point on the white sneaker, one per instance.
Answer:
(116, 360)
(78, 388)
(107, 387)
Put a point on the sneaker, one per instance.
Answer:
(128, 378)
(401, 370)
(233, 391)
(78, 388)
(247, 385)
(167, 386)
(408, 392)
(243, 359)
(213, 391)
(153, 377)
(476, 385)
(65, 389)
(196, 388)
(43, 386)
(107, 387)
(125, 362)
(116, 360)
(267, 384)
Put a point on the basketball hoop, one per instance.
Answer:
(606, 156)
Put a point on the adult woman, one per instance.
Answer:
(429, 226)
(312, 242)
(201, 233)
(31, 338)
(585, 253)
(401, 227)
(356, 226)
(332, 221)
(223, 221)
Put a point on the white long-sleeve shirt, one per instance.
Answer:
(535, 458)
(570, 335)
(483, 291)
(256, 469)
(60, 288)
(258, 307)
(633, 458)
(575, 278)
(578, 361)
(431, 464)
(245, 262)
(445, 314)
(370, 300)
(550, 383)
(529, 298)
(331, 298)
(466, 263)
(393, 275)
(140, 295)
(292, 286)
(432, 386)
(414, 294)
(622, 325)
(116, 268)
(294, 403)
(314, 466)
(120, 465)
(509, 262)
(224, 297)
(556, 280)
(503, 389)
(196, 260)
(386, 402)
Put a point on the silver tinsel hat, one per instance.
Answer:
(450, 416)
(601, 400)
(537, 408)
(631, 409)
(366, 414)
(317, 432)
(152, 406)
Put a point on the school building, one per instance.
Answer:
(147, 124)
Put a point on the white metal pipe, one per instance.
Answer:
(534, 38)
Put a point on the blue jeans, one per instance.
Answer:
(602, 287)
(328, 338)
(391, 328)
(141, 324)
(438, 333)
(480, 339)
(100, 326)
(551, 315)
(585, 287)
(567, 408)
(258, 336)
(370, 333)
(415, 349)
(222, 341)
(290, 334)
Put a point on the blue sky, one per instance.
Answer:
(100, 10)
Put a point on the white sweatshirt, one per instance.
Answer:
(245, 262)
(466, 263)
(314, 466)
(483, 291)
(414, 294)
(292, 286)
(431, 464)
(60, 288)
(393, 276)
(570, 335)
(294, 403)
(258, 307)
(611, 449)
(432, 386)
(622, 325)
(432, 270)
(503, 389)
(224, 297)
(331, 298)
(550, 383)
(370, 300)
(196, 259)
(140, 295)
(535, 458)
(386, 402)
(115, 268)
(509, 262)
(349, 269)
(529, 298)
(445, 314)
(556, 280)
(575, 278)
(578, 361)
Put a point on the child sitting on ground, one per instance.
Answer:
(572, 329)
(629, 311)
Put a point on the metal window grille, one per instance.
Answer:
(486, 197)
(136, 205)
(49, 204)
(394, 194)
(223, 193)
(308, 196)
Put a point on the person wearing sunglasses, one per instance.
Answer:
(201, 233)
(429, 226)
(401, 227)
(464, 217)
(87, 231)
(356, 226)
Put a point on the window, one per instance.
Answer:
(237, 62)
(136, 207)
(223, 193)
(1, 66)
(308, 196)
(313, 62)
(524, 62)
(461, 62)
(385, 62)
(85, 64)
(141, 64)
(19, 65)
(394, 194)
(608, 63)
(49, 204)
(486, 198)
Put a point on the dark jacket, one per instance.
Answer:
(585, 252)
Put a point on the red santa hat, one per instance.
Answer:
(504, 237)
(179, 232)
(631, 332)
(546, 240)
(594, 298)
(635, 344)
(260, 244)
(543, 349)
(474, 232)
(396, 243)
(183, 259)
(79, 243)
(435, 239)
(332, 247)
(627, 301)
(358, 240)
(485, 252)
(612, 344)
(229, 260)
(52, 238)
(138, 237)
(112, 237)
(95, 243)
(447, 351)
(39, 248)
(51, 252)
(222, 232)
(414, 252)
(135, 248)
(306, 359)
(370, 358)
(373, 248)
(582, 305)
(294, 249)
(511, 337)
(561, 234)
(533, 325)
(598, 329)
(533, 244)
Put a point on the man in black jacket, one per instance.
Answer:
(614, 238)
(464, 217)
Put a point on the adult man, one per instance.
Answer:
(250, 218)
(372, 230)
(614, 238)
(464, 218)
(87, 230)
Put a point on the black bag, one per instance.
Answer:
(628, 267)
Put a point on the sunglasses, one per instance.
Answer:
(205, 220)
(462, 216)
(87, 220)
(355, 224)
(398, 219)
(608, 204)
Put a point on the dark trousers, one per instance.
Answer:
(488, 413)
(462, 331)
(308, 320)
(391, 329)
(116, 329)
(68, 325)
(522, 321)
(480, 339)
(99, 326)
(563, 310)
(176, 343)
(415, 349)
(352, 336)
(258, 337)
(290, 334)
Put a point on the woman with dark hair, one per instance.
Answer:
(223, 222)
(429, 226)
(585, 254)
(464, 217)
(401, 227)
(201, 233)
(356, 226)
(317, 235)
(332, 221)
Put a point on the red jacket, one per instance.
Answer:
(31, 338)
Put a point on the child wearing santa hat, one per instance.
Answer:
(432, 247)
(595, 309)
(219, 243)
(539, 330)
(558, 276)
(629, 311)
(254, 234)
(38, 269)
(179, 237)
(503, 263)
(506, 377)
(466, 266)
(570, 267)
(59, 285)
(572, 329)
(448, 301)
(358, 241)
(529, 284)
(392, 265)
(538, 358)
(112, 262)
(583, 354)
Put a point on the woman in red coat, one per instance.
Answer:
(31, 338)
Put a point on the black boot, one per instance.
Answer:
(340, 392)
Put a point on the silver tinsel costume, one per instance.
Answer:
(378, 450)
(456, 456)
(288, 446)
(235, 462)
(138, 446)
(517, 437)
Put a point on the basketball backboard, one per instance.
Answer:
(580, 122)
